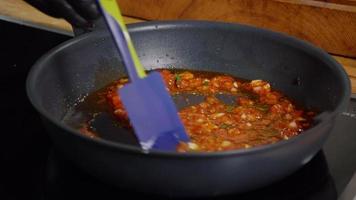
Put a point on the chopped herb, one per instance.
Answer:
(262, 107)
(206, 82)
(230, 108)
(271, 132)
(248, 95)
(177, 77)
(225, 126)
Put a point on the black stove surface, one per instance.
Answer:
(31, 168)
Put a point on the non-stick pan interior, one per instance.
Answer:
(88, 63)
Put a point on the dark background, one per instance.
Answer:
(24, 144)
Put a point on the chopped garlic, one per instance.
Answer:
(293, 124)
(200, 120)
(217, 115)
(301, 119)
(226, 143)
(256, 89)
(247, 146)
(256, 82)
(192, 146)
(267, 86)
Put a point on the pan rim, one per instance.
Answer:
(157, 25)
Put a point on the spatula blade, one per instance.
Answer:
(152, 112)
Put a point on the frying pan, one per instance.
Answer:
(89, 62)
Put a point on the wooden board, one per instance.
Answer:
(330, 26)
(350, 67)
(343, 2)
(19, 11)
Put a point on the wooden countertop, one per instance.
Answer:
(18, 11)
(329, 24)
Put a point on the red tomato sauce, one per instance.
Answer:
(260, 116)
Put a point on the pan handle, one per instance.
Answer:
(98, 24)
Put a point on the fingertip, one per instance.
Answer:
(67, 12)
(93, 12)
(86, 8)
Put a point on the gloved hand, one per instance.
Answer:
(79, 13)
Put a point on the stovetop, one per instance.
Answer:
(32, 169)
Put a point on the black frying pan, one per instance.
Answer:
(89, 62)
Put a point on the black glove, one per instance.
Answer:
(79, 13)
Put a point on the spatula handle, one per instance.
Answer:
(115, 22)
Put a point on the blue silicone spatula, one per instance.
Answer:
(150, 108)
